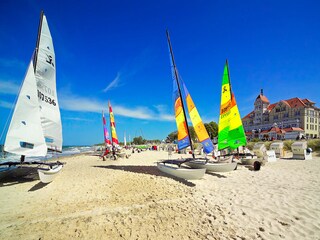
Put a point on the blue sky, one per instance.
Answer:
(117, 51)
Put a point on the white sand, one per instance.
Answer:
(131, 199)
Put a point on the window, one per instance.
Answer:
(311, 113)
(275, 117)
(307, 126)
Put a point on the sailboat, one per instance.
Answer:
(114, 139)
(174, 167)
(231, 133)
(107, 142)
(35, 125)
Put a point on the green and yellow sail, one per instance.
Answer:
(231, 133)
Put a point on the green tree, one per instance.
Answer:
(172, 136)
(192, 133)
(212, 129)
(138, 140)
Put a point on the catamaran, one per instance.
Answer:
(35, 125)
(114, 139)
(174, 167)
(230, 134)
(107, 143)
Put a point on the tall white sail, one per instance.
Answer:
(25, 135)
(45, 66)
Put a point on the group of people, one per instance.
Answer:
(110, 151)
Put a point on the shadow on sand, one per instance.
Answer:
(216, 175)
(10, 180)
(149, 170)
(22, 175)
(38, 186)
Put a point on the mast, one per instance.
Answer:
(110, 124)
(103, 126)
(22, 158)
(178, 83)
(227, 63)
(38, 42)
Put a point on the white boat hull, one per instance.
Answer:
(181, 172)
(213, 166)
(47, 175)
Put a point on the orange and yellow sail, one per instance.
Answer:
(197, 123)
(112, 126)
(183, 137)
(231, 133)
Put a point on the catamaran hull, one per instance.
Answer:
(212, 167)
(47, 175)
(181, 172)
(5, 171)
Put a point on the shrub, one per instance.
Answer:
(287, 145)
(314, 144)
(267, 145)
(196, 145)
(250, 145)
(255, 140)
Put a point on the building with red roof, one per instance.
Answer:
(286, 119)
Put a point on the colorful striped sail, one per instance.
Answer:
(237, 136)
(183, 137)
(197, 123)
(231, 133)
(112, 126)
(105, 131)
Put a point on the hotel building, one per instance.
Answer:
(285, 119)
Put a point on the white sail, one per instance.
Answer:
(25, 135)
(46, 82)
(125, 139)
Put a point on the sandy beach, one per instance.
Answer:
(132, 199)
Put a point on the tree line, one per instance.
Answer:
(211, 127)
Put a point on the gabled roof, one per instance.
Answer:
(263, 98)
(277, 130)
(307, 100)
(295, 102)
(285, 102)
(293, 129)
(248, 115)
(271, 106)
